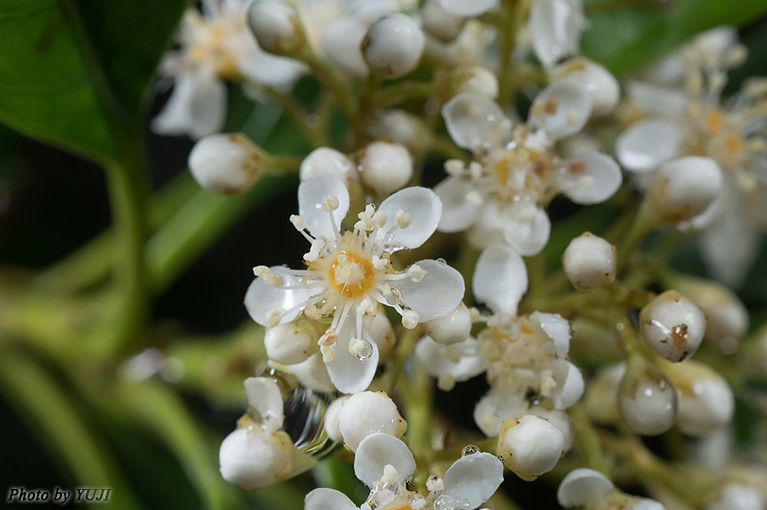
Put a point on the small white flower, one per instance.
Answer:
(672, 326)
(345, 277)
(555, 29)
(583, 487)
(368, 412)
(531, 445)
(589, 261)
(393, 45)
(226, 163)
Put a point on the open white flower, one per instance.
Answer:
(517, 171)
(259, 453)
(385, 464)
(215, 45)
(348, 274)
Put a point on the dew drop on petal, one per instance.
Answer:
(502, 459)
(442, 261)
(304, 422)
(364, 350)
(444, 502)
(469, 449)
(393, 298)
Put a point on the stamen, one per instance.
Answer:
(454, 167)
(416, 273)
(410, 319)
(273, 318)
(330, 203)
(402, 218)
(298, 222)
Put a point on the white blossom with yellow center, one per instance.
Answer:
(348, 274)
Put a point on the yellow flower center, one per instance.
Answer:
(350, 274)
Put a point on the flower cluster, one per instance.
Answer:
(377, 319)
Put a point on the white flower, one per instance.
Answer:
(259, 453)
(215, 45)
(587, 488)
(366, 413)
(385, 464)
(348, 274)
(516, 172)
(555, 28)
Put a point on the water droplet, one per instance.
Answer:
(393, 297)
(469, 449)
(305, 422)
(502, 459)
(442, 261)
(364, 351)
(444, 502)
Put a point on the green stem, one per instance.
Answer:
(587, 439)
(513, 15)
(204, 218)
(49, 411)
(316, 137)
(398, 93)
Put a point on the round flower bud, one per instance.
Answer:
(368, 412)
(682, 188)
(735, 496)
(313, 374)
(647, 504)
(386, 166)
(726, 316)
(672, 326)
(531, 445)
(290, 343)
(583, 487)
(393, 45)
(474, 79)
(560, 420)
(589, 261)
(403, 128)
(452, 328)
(226, 163)
(277, 27)
(439, 23)
(646, 399)
(327, 161)
(252, 458)
(333, 418)
(602, 394)
(706, 402)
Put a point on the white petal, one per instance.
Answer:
(349, 373)
(472, 479)
(582, 487)
(657, 100)
(648, 504)
(267, 69)
(197, 107)
(555, 28)
(341, 42)
(264, 396)
(557, 328)
(313, 374)
(475, 122)
(596, 178)
(569, 384)
(602, 86)
(648, 143)
(500, 279)
(376, 451)
(562, 108)
(431, 355)
(311, 194)
(425, 209)
(458, 213)
(527, 228)
(730, 245)
(467, 8)
(436, 294)
(497, 406)
(488, 228)
(253, 459)
(328, 499)
(261, 298)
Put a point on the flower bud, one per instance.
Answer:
(403, 128)
(646, 399)
(475, 79)
(333, 418)
(735, 496)
(682, 188)
(452, 328)
(531, 445)
(706, 402)
(386, 166)
(393, 45)
(313, 374)
(327, 161)
(672, 326)
(589, 261)
(226, 163)
(560, 420)
(290, 343)
(341, 45)
(440, 23)
(583, 487)
(602, 394)
(368, 412)
(252, 458)
(726, 316)
(277, 28)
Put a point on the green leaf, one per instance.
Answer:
(72, 71)
(624, 39)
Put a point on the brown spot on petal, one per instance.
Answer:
(577, 167)
(679, 335)
(551, 105)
